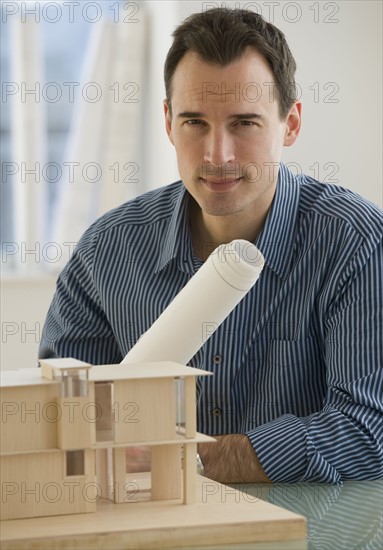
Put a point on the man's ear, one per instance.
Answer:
(168, 120)
(293, 124)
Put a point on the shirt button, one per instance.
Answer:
(217, 359)
(217, 411)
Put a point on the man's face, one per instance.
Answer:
(227, 132)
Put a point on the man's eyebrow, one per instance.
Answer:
(190, 114)
(239, 116)
(246, 116)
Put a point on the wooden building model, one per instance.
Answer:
(65, 428)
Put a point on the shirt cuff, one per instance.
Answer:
(282, 448)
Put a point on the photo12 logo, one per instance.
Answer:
(54, 12)
(53, 411)
(290, 12)
(69, 92)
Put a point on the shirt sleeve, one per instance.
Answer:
(345, 439)
(76, 324)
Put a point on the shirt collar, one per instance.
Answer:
(275, 240)
(277, 236)
(177, 241)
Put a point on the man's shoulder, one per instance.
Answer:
(146, 209)
(340, 205)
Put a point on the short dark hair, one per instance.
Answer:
(221, 36)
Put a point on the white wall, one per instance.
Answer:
(24, 304)
(342, 140)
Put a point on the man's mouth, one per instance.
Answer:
(221, 185)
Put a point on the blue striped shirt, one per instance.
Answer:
(298, 365)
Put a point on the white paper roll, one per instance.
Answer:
(201, 306)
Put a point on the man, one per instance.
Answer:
(297, 389)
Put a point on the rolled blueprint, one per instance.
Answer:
(201, 306)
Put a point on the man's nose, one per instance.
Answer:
(219, 148)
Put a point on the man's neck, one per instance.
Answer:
(209, 232)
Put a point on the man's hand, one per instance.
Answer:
(231, 460)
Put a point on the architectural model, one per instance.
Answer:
(65, 428)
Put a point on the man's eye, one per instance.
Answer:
(194, 122)
(247, 123)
